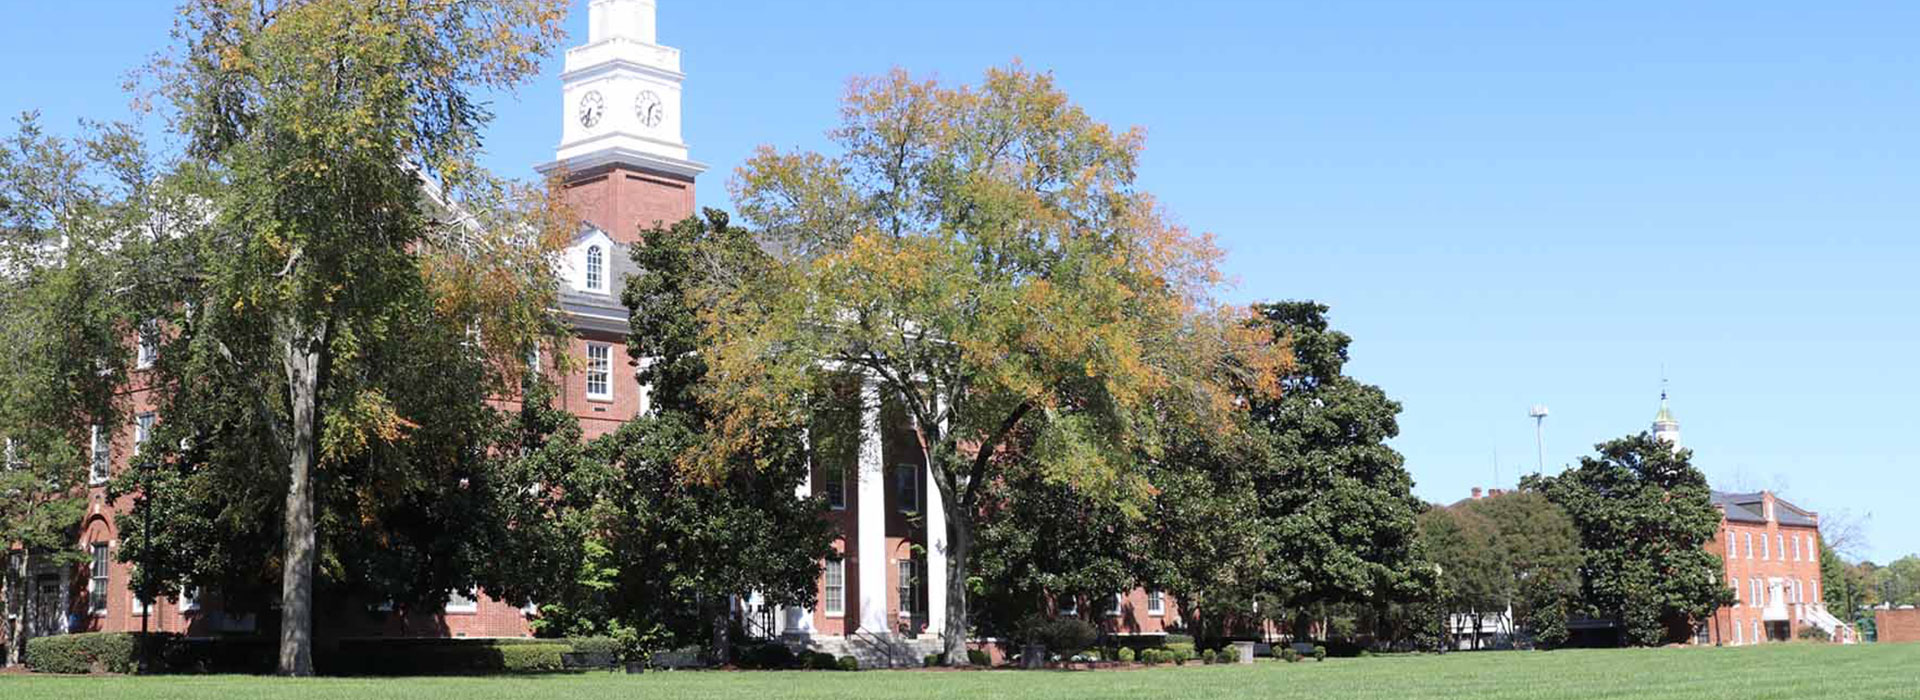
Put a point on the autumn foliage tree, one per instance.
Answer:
(326, 276)
(980, 254)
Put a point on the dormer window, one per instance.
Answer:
(596, 269)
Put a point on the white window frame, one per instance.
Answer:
(1758, 635)
(1739, 637)
(833, 596)
(600, 368)
(1780, 543)
(189, 599)
(142, 431)
(1766, 552)
(462, 604)
(1731, 549)
(100, 577)
(1115, 605)
(1156, 603)
(100, 466)
(1735, 585)
(147, 346)
(1749, 537)
(1067, 606)
(595, 269)
(905, 570)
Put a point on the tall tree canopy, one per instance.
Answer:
(1473, 568)
(1338, 498)
(65, 206)
(1645, 517)
(340, 323)
(668, 545)
(1541, 550)
(980, 254)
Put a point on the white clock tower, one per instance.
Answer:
(621, 94)
(622, 152)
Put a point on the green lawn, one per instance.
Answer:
(1782, 671)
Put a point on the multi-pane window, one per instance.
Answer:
(149, 347)
(1753, 587)
(1738, 637)
(102, 456)
(142, 431)
(905, 571)
(1765, 551)
(97, 589)
(596, 269)
(906, 487)
(1156, 603)
(1068, 606)
(1749, 537)
(460, 602)
(190, 599)
(1758, 636)
(834, 576)
(1780, 545)
(599, 371)
(1113, 605)
(1735, 585)
(833, 480)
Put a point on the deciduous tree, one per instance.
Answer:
(322, 282)
(982, 256)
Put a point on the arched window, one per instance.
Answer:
(596, 272)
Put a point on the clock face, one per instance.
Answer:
(649, 109)
(592, 105)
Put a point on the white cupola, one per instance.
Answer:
(621, 96)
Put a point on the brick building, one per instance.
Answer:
(626, 168)
(1771, 550)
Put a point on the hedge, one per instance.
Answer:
(93, 652)
(119, 652)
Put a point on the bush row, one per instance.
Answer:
(121, 652)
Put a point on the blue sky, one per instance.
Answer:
(1505, 203)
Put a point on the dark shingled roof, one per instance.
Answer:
(1751, 508)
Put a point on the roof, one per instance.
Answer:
(1751, 508)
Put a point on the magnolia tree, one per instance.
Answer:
(981, 255)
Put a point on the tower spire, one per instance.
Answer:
(1665, 427)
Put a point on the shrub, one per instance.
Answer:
(822, 661)
(531, 658)
(932, 660)
(1177, 639)
(1066, 637)
(768, 656)
(1815, 634)
(1177, 647)
(1366, 654)
(1319, 652)
(1182, 656)
(113, 652)
(593, 645)
(848, 663)
(1289, 655)
(1125, 655)
(979, 657)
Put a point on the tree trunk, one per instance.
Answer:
(303, 357)
(19, 602)
(721, 614)
(959, 548)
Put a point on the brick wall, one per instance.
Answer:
(1897, 626)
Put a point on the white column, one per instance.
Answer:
(872, 518)
(936, 548)
(799, 620)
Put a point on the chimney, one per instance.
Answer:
(1476, 493)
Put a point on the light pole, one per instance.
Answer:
(1539, 415)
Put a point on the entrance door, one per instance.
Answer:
(48, 616)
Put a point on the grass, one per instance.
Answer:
(1780, 671)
